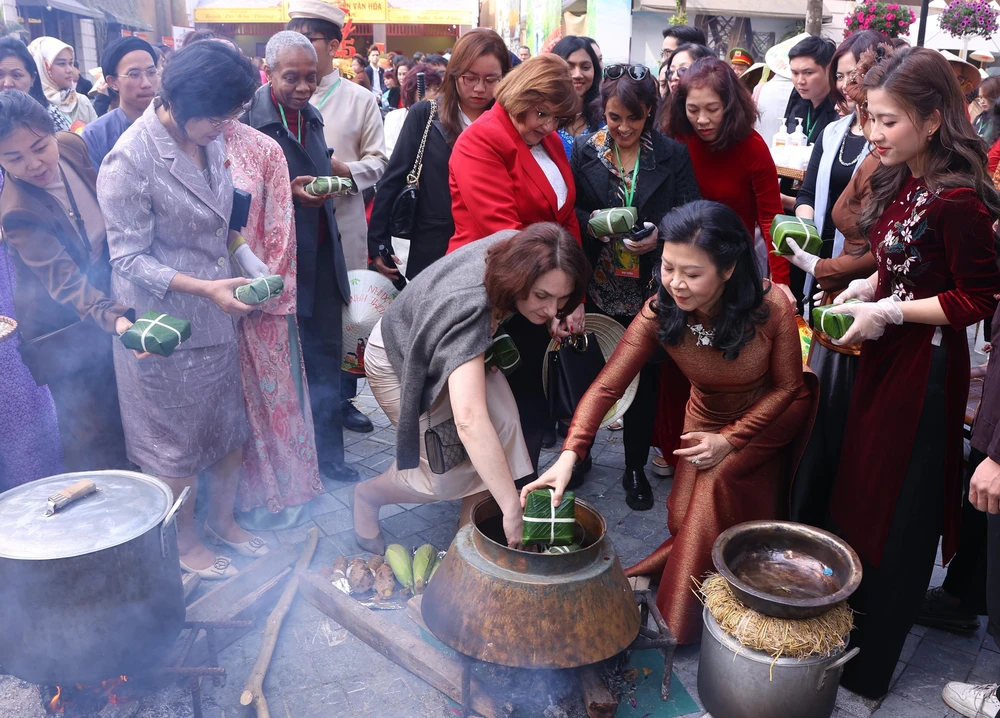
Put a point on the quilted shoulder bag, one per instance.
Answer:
(444, 448)
(403, 217)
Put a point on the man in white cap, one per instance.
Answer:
(352, 124)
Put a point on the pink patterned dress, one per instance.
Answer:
(279, 460)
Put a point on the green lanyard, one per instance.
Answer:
(285, 123)
(328, 93)
(629, 193)
(810, 123)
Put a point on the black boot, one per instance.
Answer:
(354, 420)
(940, 611)
(579, 473)
(549, 437)
(638, 492)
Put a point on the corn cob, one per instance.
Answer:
(399, 561)
(423, 562)
(437, 565)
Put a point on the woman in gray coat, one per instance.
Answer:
(166, 194)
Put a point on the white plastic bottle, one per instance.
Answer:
(780, 138)
(797, 138)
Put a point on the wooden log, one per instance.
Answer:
(398, 646)
(216, 605)
(597, 699)
(253, 690)
(190, 581)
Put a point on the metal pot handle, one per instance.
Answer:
(839, 663)
(64, 497)
(171, 516)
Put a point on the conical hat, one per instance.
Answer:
(608, 333)
(777, 57)
(966, 72)
(371, 295)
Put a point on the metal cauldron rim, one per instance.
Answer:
(805, 607)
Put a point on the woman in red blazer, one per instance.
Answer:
(509, 170)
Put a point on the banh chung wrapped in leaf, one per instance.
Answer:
(803, 231)
(260, 289)
(615, 220)
(156, 333)
(833, 325)
(322, 186)
(503, 354)
(545, 524)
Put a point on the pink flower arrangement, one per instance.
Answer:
(890, 19)
(967, 18)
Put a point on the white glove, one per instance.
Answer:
(860, 289)
(870, 319)
(252, 266)
(800, 258)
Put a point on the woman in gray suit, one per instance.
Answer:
(166, 194)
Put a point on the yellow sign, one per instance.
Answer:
(430, 16)
(229, 11)
(366, 11)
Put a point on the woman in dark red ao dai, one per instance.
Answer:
(929, 221)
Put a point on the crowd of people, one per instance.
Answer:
(476, 175)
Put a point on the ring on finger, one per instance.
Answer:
(696, 462)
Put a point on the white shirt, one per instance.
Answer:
(552, 173)
(377, 88)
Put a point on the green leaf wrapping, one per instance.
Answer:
(260, 289)
(833, 325)
(156, 333)
(503, 355)
(322, 186)
(544, 530)
(803, 231)
(616, 220)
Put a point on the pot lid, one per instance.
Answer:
(125, 506)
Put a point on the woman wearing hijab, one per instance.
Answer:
(54, 61)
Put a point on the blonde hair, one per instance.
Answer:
(540, 79)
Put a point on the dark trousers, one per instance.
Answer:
(532, 341)
(966, 578)
(889, 597)
(321, 352)
(993, 575)
(348, 386)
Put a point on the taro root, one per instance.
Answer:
(359, 576)
(375, 561)
(340, 564)
(385, 581)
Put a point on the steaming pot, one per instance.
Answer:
(531, 610)
(90, 581)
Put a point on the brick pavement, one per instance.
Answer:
(319, 670)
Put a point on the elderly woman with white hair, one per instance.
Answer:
(281, 109)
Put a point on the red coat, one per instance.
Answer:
(496, 184)
(742, 177)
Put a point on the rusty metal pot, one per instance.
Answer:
(531, 610)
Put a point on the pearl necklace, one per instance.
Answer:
(840, 155)
(703, 337)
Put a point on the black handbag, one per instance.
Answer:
(403, 216)
(573, 367)
(444, 448)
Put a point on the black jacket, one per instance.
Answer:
(312, 160)
(667, 184)
(371, 77)
(434, 225)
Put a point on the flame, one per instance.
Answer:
(54, 703)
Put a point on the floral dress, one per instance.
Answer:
(279, 461)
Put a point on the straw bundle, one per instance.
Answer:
(777, 637)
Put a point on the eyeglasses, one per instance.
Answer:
(544, 118)
(315, 39)
(678, 73)
(636, 72)
(472, 81)
(135, 75)
(219, 122)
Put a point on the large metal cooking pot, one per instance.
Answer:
(738, 682)
(90, 581)
(531, 610)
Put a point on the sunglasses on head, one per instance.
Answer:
(636, 72)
